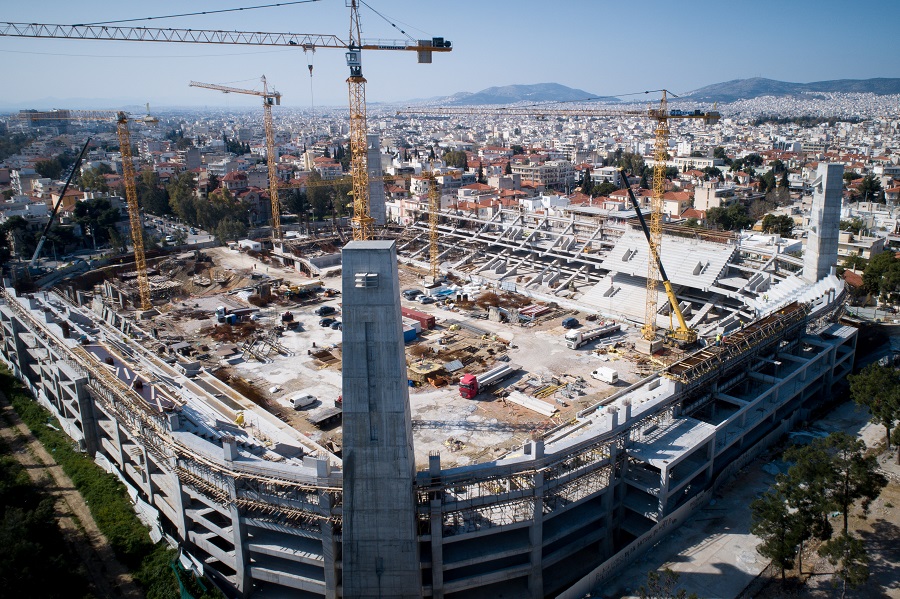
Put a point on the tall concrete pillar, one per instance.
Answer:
(377, 209)
(380, 549)
(824, 222)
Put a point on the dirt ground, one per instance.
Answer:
(107, 576)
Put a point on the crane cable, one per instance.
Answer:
(195, 14)
(309, 65)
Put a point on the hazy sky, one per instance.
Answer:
(601, 46)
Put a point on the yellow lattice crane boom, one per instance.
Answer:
(661, 115)
(268, 97)
(121, 120)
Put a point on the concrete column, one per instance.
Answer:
(824, 220)
(329, 546)
(536, 533)
(380, 545)
(238, 528)
(436, 520)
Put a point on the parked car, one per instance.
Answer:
(337, 326)
(411, 294)
(425, 299)
(569, 323)
(326, 322)
(325, 310)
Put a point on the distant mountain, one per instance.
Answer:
(510, 94)
(745, 89)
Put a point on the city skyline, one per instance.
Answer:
(493, 45)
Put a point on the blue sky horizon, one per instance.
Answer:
(605, 48)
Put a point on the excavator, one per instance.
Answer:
(683, 336)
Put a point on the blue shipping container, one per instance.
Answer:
(409, 335)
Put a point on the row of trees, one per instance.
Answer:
(828, 475)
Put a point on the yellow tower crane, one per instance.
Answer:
(302, 41)
(661, 115)
(269, 97)
(121, 120)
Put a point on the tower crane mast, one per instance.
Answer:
(661, 115)
(268, 98)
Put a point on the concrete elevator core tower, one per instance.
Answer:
(380, 551)
(824, 222)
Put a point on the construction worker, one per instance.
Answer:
(718, 339)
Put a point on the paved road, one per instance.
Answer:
(109, 578)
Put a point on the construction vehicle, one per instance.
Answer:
(683, 335)
(471, 385)
(122, 120)
(661, 115)
(271, 160)
(576, 339)
(362, 221)
(55, 209)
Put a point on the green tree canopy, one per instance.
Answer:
(877, 388)
(782, 224)
(839, 466)
(772, 521)
(96, 217)
(51, 169)
(848, 555)
(181, 197)
(882, 274)
(603, 189)
(732, 218)
(661, 585)
(870, 189)
(456, 158)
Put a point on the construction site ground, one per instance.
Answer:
(463, 430)
(715, 554)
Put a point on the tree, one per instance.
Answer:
(480, 177)
(849, 557)
(782, 224)
(732, 218)
(212, 182)
(854, 225)
(586, 183)
(785, 182)
(51, 169)
(882, 274)
(662, 586)
(151, 196)
(98, 217)
(230, 229)
(517, 149)
(843, 471)
(877, 388)
(507, 170)
(182, 199)
(870, 189)
(456, 159)
(603, 189)
(851, 176)
(772, 522)
(712, 171)
(895, 438)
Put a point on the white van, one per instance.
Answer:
(607, 375)
(302, 400)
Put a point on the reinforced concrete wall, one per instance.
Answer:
(380, 552)
(824, 223)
